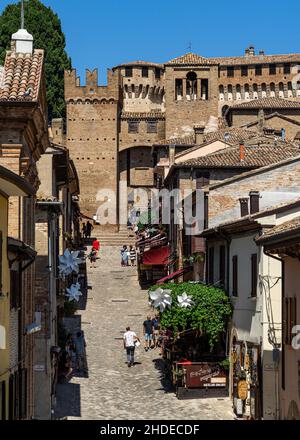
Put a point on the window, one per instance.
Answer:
(204, 89)
(1, 246)
(254, 275)
(287, 69)
(15, 289)
(178, 89)
(151, 126)
(244, 70)
(145, 72)
(235, 275)
(230, 72)
(258, 70)
(191, 85)
(211, 252)
(222, 266)
(272, 69)
(133, 126)
(289, 319)
(202, 179)
(3, 401)
(128, 72)
(157, 73)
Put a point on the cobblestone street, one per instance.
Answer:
(112, 390)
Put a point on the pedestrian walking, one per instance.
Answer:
(83, 231)
(96, 244)
(132, 255)
(89, 228)
(93, 258)
(130, 339)
(156, 328)
(80, 351)
(148, 333)
(124, 256)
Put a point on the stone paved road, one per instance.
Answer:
(112, 391)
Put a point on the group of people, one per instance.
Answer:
(73, 355)
(152, 338)
(128, 254)
(87, 229)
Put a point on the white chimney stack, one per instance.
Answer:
(22, 42)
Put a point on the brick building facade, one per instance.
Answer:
(111, 129)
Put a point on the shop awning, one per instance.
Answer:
(157, 256)
(174, 275)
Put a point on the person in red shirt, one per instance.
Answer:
(96, 245)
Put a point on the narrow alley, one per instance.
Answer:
(111, 390)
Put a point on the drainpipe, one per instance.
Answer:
(276, 373)
(228, 241)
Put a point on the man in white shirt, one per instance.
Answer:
(130, 339)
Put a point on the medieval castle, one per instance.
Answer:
(111, 130)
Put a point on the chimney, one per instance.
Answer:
(254, 201)
(22, 42)
(242, 152)
(171, 155)
(244, 206)
(251, 51)
(199, 133)
(262, 53)
(247, 52)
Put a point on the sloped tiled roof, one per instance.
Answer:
(268, 103)
(190, 59)
(255, 156)
(290, 225)
(235, 134)
(22, 73)
(257, 59)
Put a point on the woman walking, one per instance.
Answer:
(132, 255)
(124, 256)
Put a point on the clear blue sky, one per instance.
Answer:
(104, 33)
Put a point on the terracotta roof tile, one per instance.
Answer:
(21, 72)
(280, 229)
(191, 59)
(255, 156)
(257, 59)
(270, 103)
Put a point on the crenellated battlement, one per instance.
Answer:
(91, 91)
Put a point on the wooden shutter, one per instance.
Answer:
(235, 275)
(1, 260)
(293, 316)
(254, 275)
(222, 266)
(3, 400)
(211, 265)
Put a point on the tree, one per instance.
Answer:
(210, 313)
(45, 27)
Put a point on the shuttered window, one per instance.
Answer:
(3, 401)
(222, 266)
(289, 319)
(254, 275)
(235, 275)
(211, 252)
(1, 261)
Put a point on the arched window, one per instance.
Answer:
(221, 93)
(272, 90)
(247, 93)
(255, 91)
(230, 94)
(238, 92)
(263, 90)
(290, 90)
(191, 86)
(281, 90)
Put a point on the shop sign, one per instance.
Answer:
(242, 390)
(205, 375)
(39, 368)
